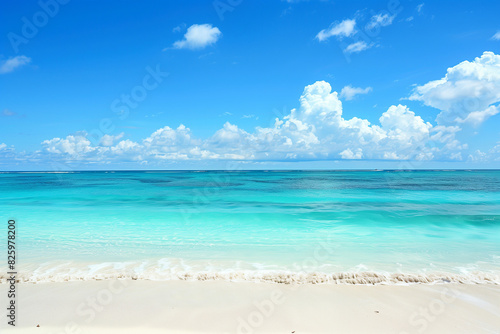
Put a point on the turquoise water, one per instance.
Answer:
(255, 225)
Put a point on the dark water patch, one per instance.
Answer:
(154, 181)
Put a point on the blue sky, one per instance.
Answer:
(67, 69)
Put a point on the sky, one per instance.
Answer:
(240, 84)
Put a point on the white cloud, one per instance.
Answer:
(199, 36)
(409, 19)
(8, 155)
(495, 152)
(357, 47)
(316, 130)
(167, 139)
(478, 156)
(11, 64)
(380, 20)
(349, 92)
(496, 37)
(73, 144)
(345, 28)
(108, 140)
(403, 125)
(476, 118)
(420, 7)
(467, 92)
(348, 154)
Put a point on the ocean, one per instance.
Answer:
(352, 227)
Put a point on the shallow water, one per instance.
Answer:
(255, 225)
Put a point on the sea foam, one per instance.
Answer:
(278, 277)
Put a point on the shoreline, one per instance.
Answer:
(131, 306)
(271, 277)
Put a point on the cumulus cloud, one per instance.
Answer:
(108, 140)
(315, 130)
(13, 63)
(199, 36)
(74, 146)
(350, 155)
(403, 125)
(357, 47)
(345, 28)
(380, 20)
(467, 93)
(348, 92)
(168, 143)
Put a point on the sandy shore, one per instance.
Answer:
(243, 307)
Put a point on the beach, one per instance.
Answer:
(135, 306)
(254, 251)
(246, 167)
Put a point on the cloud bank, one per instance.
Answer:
(315, 130)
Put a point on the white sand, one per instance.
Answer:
(244, 307)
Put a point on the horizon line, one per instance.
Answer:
(256, 170)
